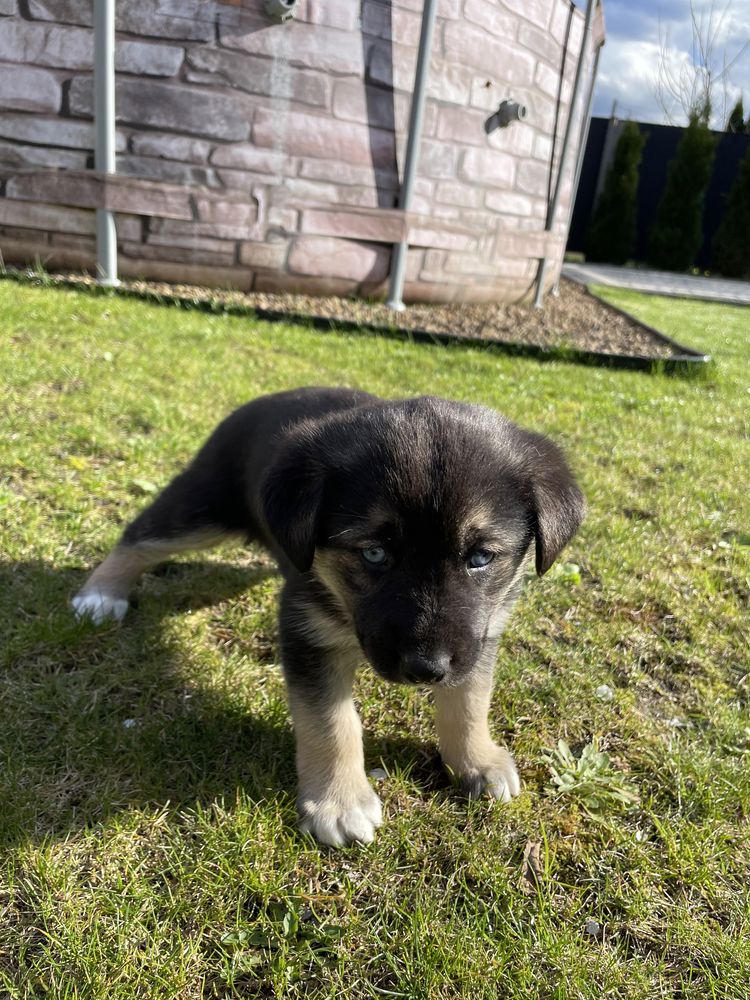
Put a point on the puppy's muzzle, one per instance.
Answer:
(416, 669)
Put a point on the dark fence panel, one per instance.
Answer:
(729, 154)
(587, 184)
(661, 146)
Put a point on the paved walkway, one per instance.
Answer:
(661, 282)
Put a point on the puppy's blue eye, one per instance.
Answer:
(479, 558)
(375, 555)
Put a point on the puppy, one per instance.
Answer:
(400, 528)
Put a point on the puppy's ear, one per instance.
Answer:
(558, 506)
(291, 497)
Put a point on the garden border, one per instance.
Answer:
(686, 361)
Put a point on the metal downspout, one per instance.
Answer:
(416, 115)
(582, 146)
(104, 142)
(552, 210)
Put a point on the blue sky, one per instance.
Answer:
(639, 31)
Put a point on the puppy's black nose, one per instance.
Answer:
(419, 670)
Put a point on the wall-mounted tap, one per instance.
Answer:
(281, 10)
(508, 111)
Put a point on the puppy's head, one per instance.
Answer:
(416, 517)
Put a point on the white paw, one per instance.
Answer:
(495, 774)
(99, 606)
(339, 821)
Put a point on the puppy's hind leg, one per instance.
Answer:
(177, 521)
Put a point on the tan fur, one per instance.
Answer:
(335, 800)
(503, 609)
(466, 746)
(125, 564)
(326, 632)
(105, 594)
(480, 517)
(327, 568)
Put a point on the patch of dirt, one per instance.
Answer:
(573, 319)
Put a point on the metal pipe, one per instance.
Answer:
(582, 148)
(416, 116)
(552, 210)
(104, 127)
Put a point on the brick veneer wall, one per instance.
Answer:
(266, 156)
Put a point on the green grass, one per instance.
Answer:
(146, 772)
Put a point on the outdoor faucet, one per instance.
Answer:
(508, 111)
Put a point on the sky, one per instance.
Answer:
(642, 33)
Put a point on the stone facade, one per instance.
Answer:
(262, 155)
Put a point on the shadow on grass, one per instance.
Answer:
(96, 721)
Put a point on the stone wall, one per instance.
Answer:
(266, 156)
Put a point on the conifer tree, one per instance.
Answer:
(736, 120)
(732, 242)
(678, 230)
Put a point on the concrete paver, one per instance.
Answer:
(661, 282)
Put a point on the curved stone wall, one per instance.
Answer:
(263, 155)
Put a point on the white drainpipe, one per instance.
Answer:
(582, 147)
(104, 125)
(552, 210)
(398, 260)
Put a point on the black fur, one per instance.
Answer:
(301, 471)
(400, 528)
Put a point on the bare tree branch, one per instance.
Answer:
(697, 82)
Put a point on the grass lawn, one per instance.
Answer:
(147, 810)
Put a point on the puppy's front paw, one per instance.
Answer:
(493, 771)
(338, 818)
(99, 607)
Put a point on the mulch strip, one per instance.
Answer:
(573, 324)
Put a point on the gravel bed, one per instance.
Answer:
(573, 319)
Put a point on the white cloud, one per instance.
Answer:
(626, 76)
(639, 32)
